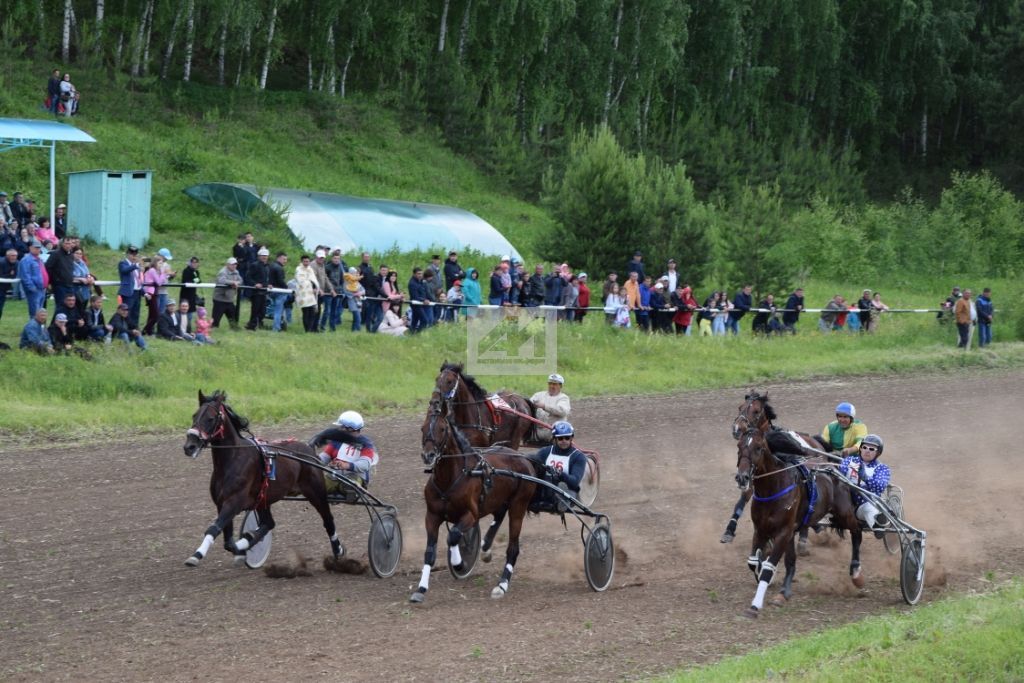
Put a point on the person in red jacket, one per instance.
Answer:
(685, 306)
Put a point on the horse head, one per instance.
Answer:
(209, 423)
(754, 413)
(436, 430)
(449, 381)
(750, 453)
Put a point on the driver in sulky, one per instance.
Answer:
(347, 448)
(566, 466)
(551, 405)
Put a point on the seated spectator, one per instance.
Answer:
(123, 328)
(168, 326)
(60, 334)
(74, 318)
(96, 326)
(44, 233)
(203, 325)
(185, 323)
(35, 336)
(394, 322)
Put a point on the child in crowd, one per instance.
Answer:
(203, 327)
(354, 295)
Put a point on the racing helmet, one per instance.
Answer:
(350, 419)
(561, 428)
(555, 377)
(846, 408)
(874, 440)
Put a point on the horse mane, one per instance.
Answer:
(769, 411)
(475, 389)
(237, 421)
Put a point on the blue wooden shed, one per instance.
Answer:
(110, 207)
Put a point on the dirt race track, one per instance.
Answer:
(94, 587)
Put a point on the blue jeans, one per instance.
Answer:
(984, 334)
(277, 301)
(139, 340)
(718, 326)
(36, 300)
(374, 315)
(419, 321)
(332, 312)
(732, 325)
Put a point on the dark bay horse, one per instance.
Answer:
(463, 488)
(239, 479)
(781, 507)
(756, 413)
(476, 417)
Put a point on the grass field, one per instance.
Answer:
(975, 637)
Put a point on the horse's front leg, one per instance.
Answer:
(467, 521)
(756, 554)
(737, 512)
(787, 583)
(767, 571)
(515, 525)
(432, 523)
(226, 513)
(251, 538)
(855, 573)
(492, 531)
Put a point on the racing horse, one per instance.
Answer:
(782, 506)
(506, 419)
(757, 413)
(242, 479)
(463, 487)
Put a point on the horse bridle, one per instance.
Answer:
(450, 403)
(750, 398)
(205, 437)
(435, 413)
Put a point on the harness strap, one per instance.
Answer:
(775, 496)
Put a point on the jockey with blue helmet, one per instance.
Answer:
(566, 464)
(347, 449)
(865, 470)
(845, 433)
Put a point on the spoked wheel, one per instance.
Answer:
(384, 546)
(256, 555)
(894, 501)
(590, 483)
(599, 557)
(469, 550)
(912, 570)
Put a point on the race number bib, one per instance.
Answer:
(560, 463)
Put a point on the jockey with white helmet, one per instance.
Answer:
(865, 470)
(347, 448)
(845, 433)
(551, 405)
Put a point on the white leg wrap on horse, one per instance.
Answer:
(425, 576)
(456, 556)
(762, 588)
(334, 537)
(205, 546)
(242, 544)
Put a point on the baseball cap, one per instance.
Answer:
(166, 253)
(3, 194)
(637, 253)
(132, 250)
(36, 244)
(320, 253)
(62, 206)
(457, 283)
(582, 276)
(504, 258)
(170, 302)
(659, 286)
(124, 307)
(61, 318)
(232, 260)
(263, 252)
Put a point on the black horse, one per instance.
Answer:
(240, 480)
(782, 506)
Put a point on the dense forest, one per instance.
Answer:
(746, 136)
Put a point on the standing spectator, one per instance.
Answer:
(471, 294)
(765, 320)
(636, 265)
(583, 300)
(8, 271)
(631, 291)
(452, 270)
(20, 211)
(152, 278)
(190, 276)
(82, 279)
(124, 329)
(852, 318)
(97, 328)
(844, 311)
(504, 270)
(431, 279)
(333, 299)
(226, 283)
(794, 305)
(168, 274)
(44, 233)
(570, 299)
(741, 303)
(707, 314)
(259, 277)
(307, 288)
(455, 299)
(612, 303)
(553, 284)
(643, 310)
(130, 289)
(33, 278)
(53, 91)
(240, 251)
(659, 317)
(722, 308)
(516, 295)
(496, 293)
(877, 308)
(965, 315)
(6, 213)
(606, 288)
(60, 266)
(327, 293)
(69, 96)
(35, 336)
(985, 311)
(685, 304)
(419, 300)
(945, 308)
(830, 314)
(60, 221)
(354, 293)
(278, 281)
(372, 282)
(533, 290)
(672, 274)
(390, 289)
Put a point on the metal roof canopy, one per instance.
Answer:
(17, 133)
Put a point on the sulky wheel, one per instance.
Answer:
(384, 546)
(256, 555)
(599, 557)
(591, 482)
(912, 571)
(469, 549)
(894, 501)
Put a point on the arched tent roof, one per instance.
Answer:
(355, 223)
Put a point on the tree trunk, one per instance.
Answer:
(924, 133)
(65, 40)
(443, 31)
(270, 47)
(140, 36)
(222, 49)
(309, 72)
(190, 36)
(611, 62)
(464, 30)
(169, 51)
(149, 35)
(344, 69)
(246, 47)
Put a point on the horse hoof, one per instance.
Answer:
(802, 550)
(727, 537)
(498, 592)
(858, 579)
(192, 561)
(485, 555)
(239, 560)
(779, 600)
(751, 612)
(417, 597)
